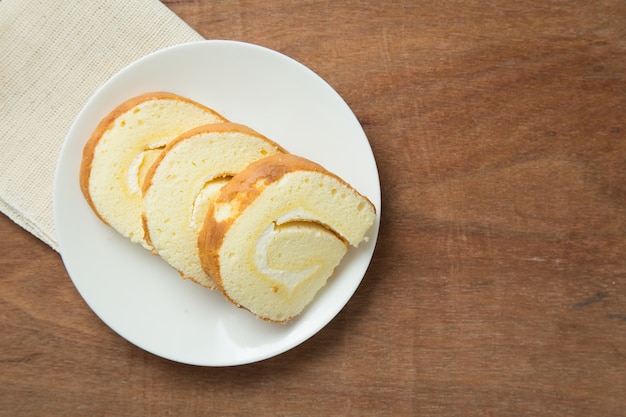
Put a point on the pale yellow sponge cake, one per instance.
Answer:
(183, 181)
(275, 233)
(122, 148)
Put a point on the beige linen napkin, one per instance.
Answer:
(53, 55)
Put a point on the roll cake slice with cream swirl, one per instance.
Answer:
(123, 146)
(275, 233)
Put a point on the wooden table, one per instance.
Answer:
(498, 286)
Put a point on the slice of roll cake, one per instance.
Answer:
(182, 182)
(123, 146)
(275, 233)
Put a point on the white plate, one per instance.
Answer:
(136, 293)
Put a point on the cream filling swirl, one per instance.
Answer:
(138, 167)
(290, 278)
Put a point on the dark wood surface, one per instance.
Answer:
(498, 286)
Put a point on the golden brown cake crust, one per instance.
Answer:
(106, 123)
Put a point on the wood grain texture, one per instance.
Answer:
(498, 287)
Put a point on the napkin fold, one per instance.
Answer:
(55, 54)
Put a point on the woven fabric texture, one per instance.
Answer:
(55, 54)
